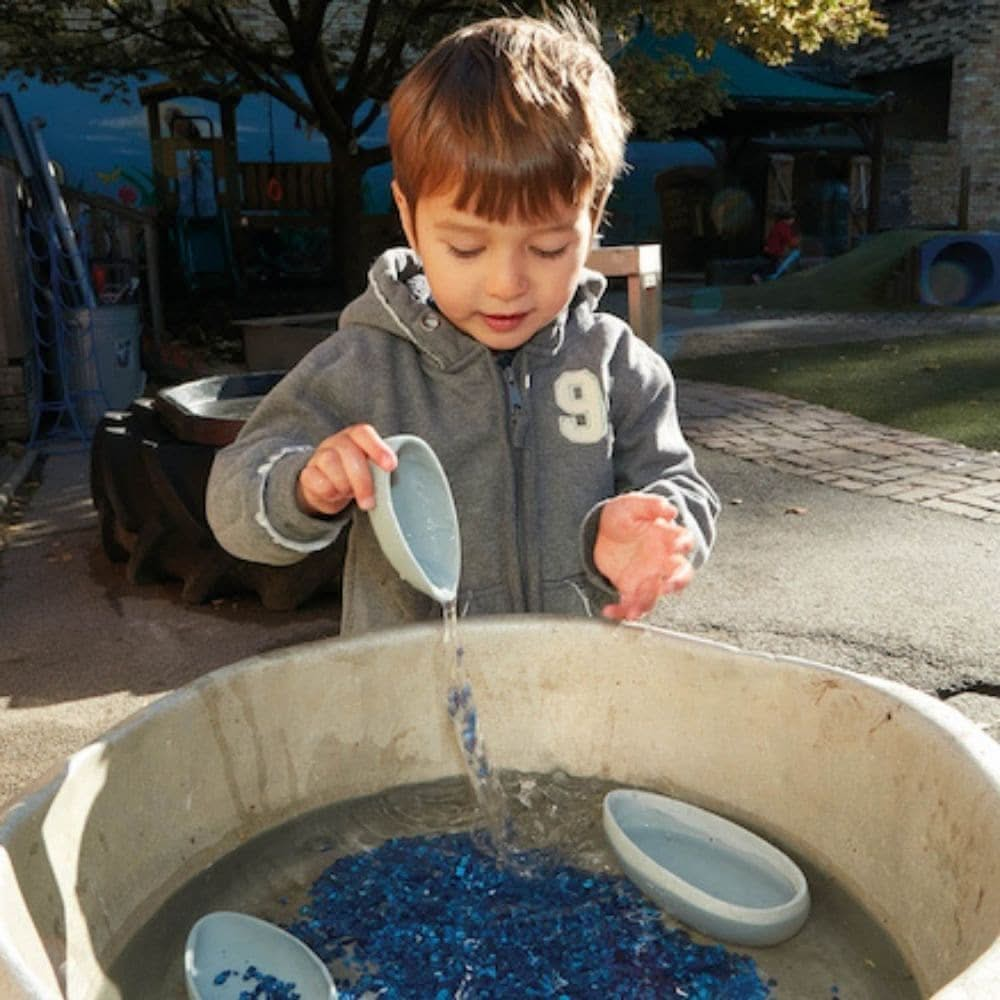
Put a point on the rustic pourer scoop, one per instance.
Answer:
(415, 520)
(227, 951)
(701, 868)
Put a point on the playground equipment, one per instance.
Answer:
(196, 181)
(229, 221)
(83, 357)
(958, 269)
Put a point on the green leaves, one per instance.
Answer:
(84, 41)
(665, 94)
(345, 51)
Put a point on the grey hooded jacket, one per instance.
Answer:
(585, 411)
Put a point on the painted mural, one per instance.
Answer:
(103, 147)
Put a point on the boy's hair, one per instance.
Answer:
(515, 113)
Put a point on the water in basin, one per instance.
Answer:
(841, 951)
(720, 872)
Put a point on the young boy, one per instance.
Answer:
(576, 492)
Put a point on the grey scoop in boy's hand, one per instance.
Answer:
(415, 520)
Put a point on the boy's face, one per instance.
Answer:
(499, 282)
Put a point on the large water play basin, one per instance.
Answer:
(888, 792)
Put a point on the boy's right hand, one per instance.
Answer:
(338, 472)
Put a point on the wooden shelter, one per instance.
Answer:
(775, 127)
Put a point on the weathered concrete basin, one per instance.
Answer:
(892, 793)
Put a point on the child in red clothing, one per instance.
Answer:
(782, 240)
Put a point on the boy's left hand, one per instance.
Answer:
(642, 551)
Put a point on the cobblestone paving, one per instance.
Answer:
(841, 450)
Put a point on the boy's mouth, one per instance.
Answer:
(503, 322)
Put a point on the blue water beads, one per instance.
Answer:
(434, 917)
(266, 986)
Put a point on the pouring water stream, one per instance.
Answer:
(416, 524)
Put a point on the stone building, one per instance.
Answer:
(941, 60)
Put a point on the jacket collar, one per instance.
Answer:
(398, 300)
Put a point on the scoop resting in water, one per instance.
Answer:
(232, 953)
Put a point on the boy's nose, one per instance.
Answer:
(507, 279)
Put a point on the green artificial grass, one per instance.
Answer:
(856, 281)
(946, 386)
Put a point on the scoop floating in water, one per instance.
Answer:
(714, 875)
(231, 953)
(415, 520)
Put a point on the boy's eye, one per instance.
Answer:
(464, 253)
(549, 254)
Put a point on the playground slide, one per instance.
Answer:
(205, 251)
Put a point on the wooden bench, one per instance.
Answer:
(274, 343)
(640, 265)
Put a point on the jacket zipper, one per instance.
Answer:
(515, 423)
(515, 402)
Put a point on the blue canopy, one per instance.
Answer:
(747, 81)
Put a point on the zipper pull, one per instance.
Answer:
(515, 402)
(513, 389)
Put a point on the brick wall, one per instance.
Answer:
(935, 171)
(975, 117)
(922, 32)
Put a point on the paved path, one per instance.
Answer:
(815, 442)
(842, 450)
(697, 332)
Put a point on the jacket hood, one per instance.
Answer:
(398, 301)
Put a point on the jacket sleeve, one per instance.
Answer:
(250, 500)
(650, 452)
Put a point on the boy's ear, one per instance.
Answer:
(405, 216)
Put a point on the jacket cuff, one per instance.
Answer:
(588, 537)
(278, 512)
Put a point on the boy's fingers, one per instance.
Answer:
(680, 577)
(326, 470)
(319, 493)
(343, 459)
(365, 437)
(314, 482)
(359, 476)
(652, 507)
(684, 542)
(639, 600)
(632, 508)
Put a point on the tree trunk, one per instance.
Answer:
(350, 257)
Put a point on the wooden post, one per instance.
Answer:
(151, 240)
(964, 184)
(641, 266)
(15, 308)
(877, 166)
(160, 183)
(860, 198)
(231, 163)
(780, 186)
